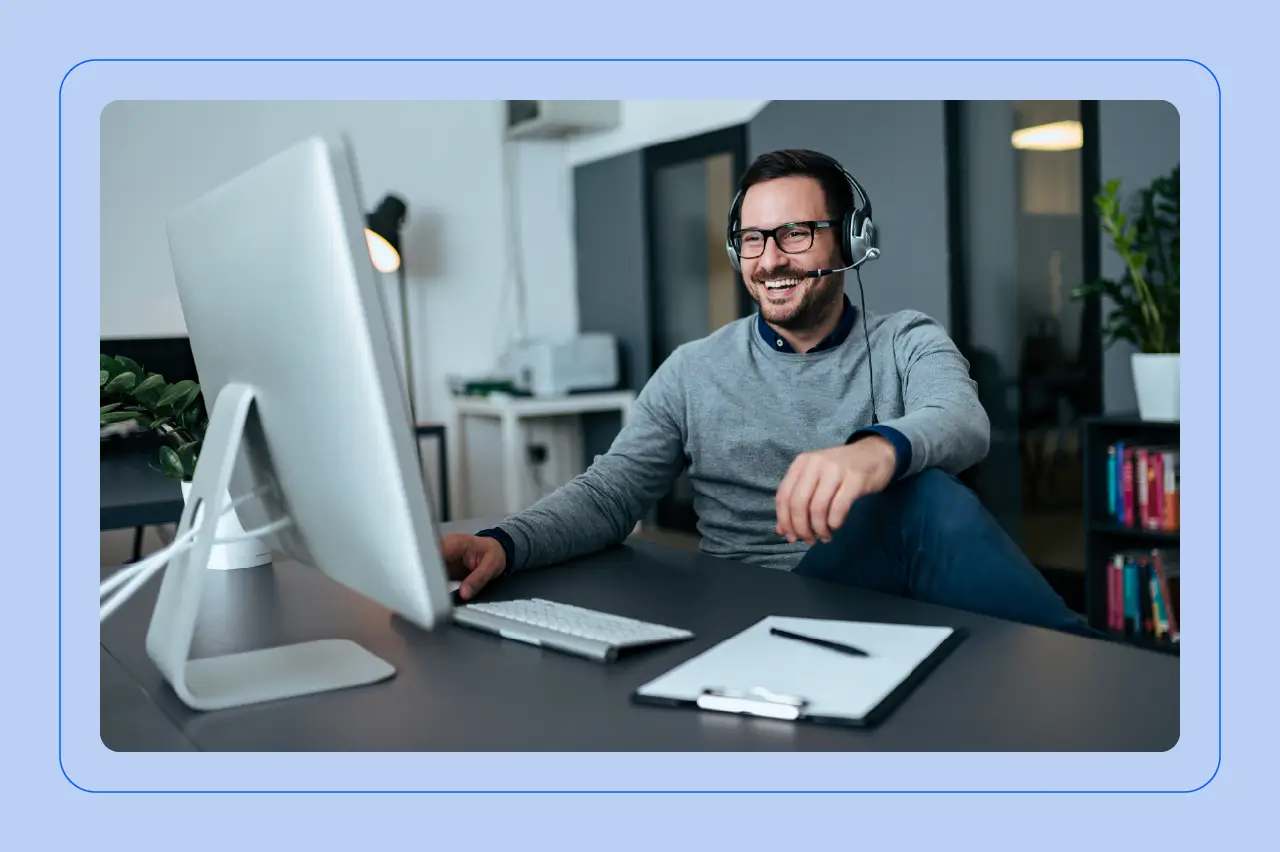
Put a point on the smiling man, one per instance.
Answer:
(817, 438)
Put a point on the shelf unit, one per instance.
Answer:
(1103, 534)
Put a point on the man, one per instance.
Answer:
(773, 418)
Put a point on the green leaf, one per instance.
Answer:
(129, 365)
(187, 453)
(170, 463)
(122, 383)
(110, 407)
(111, 365)
(176, 392)
(149, 387)
(117, 417)
(156, 424)
(184, 405)
(103, 376)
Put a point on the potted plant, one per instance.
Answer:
(1145, 300)
(177, 415)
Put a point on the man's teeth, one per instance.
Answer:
(782, 284)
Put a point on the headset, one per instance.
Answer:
(858, 243)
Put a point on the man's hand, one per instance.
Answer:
(473, 559)
(818, 490)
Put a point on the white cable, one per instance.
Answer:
(176, 547)
(136, 575)
(137, 578)
(268, 529)
(170, 549)
(163, 555)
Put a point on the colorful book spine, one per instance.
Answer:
(1126, 486)
(1142, 594)
(1156, 495)
(1112, 480)
(1143, 486)
(1171, 490)
(1115, 593)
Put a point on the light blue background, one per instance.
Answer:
(251, 29)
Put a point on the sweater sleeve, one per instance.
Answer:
(943, 421)
(601, 507)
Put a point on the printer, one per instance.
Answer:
(587, 362)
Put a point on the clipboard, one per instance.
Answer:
(759, 674)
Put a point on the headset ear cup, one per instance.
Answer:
(728, 233)
(863, 242)
(733, 257)
(854, 247)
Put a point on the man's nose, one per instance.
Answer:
(772, 255)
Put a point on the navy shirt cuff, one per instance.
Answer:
(508, 546)
(901, 446)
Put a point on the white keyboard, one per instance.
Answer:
(573, 629)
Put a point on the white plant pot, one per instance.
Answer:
(240, 554)
(1156, 381)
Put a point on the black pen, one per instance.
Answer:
(825, 643)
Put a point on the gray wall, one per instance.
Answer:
(1138, 142)
(613, 277)
(897, 151)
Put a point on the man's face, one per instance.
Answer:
(792, 302)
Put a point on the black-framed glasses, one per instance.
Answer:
(791, 238)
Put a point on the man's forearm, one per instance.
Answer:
(594, 511)
(600, 508)
(944, 421)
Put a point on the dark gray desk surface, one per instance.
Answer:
(1007, 687)
(135, 494)
(131, 721)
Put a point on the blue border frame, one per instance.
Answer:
(1217, 83)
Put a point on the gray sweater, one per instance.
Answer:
(733, 412)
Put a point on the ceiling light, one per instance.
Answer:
(1056, 136)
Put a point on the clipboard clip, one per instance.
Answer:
(756, 701)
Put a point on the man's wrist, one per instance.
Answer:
(508, 546)
(898, 444)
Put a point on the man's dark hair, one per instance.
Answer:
(790, 162)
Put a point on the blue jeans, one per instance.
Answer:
(928, 537)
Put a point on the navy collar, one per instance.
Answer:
(775, 342)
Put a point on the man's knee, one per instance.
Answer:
(936, 491)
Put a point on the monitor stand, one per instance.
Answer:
(248, 677)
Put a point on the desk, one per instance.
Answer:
(509, 410)
(131, 721)
(134, 493)
(1006, 688)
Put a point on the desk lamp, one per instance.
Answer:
(382, 232)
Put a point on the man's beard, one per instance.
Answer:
(818, 297)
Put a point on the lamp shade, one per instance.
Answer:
(382, 231)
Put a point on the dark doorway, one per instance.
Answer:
(693, 290)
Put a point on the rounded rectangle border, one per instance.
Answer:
(1190, 86)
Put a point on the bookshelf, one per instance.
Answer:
(1144, 541)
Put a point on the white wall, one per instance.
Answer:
(444, 158)
(644, 123)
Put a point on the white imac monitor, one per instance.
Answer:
(290, 338)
